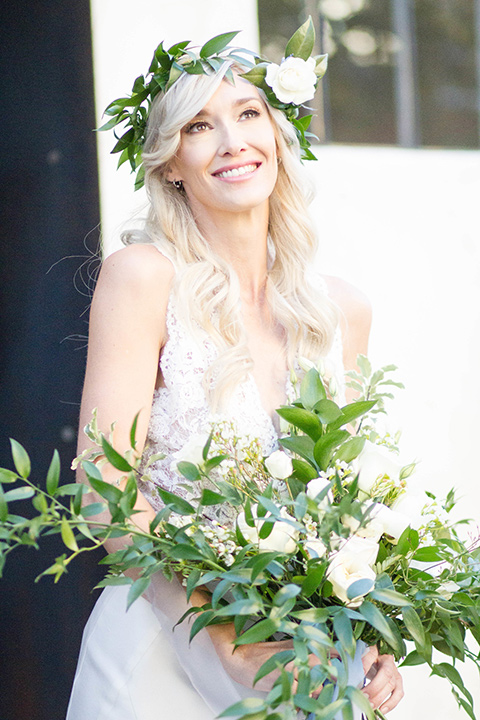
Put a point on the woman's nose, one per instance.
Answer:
(232, 140)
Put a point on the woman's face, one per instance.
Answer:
(227, 159)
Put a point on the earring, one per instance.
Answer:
(178, 184)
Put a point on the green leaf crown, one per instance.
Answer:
(168, 66)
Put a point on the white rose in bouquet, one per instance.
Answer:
(372, 529)
(345, 569)
(314, 548)
(374, 463)
(412, 504)
(365, 549)
(293, 81)
(279, 465)
(192, 451)
(282, 537)
(315, 487)
(394, 523)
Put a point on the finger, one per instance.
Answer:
(369, 659)
(386, 684)
(395, 697)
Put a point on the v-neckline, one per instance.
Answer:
(287, 384)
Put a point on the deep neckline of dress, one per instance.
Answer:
(249, 378)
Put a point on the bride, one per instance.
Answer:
(203, 315)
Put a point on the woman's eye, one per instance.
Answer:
(196, 127)
(250, 113)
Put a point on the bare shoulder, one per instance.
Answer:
(138, 264)
(355, 317)
(352, 302)
(139, 274)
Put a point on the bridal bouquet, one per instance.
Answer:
(324, 542)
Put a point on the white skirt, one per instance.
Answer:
(127, 669)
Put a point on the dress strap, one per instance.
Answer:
(166, 254)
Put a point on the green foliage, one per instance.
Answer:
(265, 591)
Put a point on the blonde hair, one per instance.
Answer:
(208, 287)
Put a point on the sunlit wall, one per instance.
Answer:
(402, 225)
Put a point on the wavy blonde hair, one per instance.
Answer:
(207, 285)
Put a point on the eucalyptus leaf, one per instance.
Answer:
(303, 419)
(327, 411)
(280, 659)
(114, 457)
(287, 592)
(21, 493)
(361, 701)
(350, 449)
(256, 76)
(109, 492)
(312, 389)
(8, 476)
(53, 474)
(352, 412)
(259, 632)
(413, 658)
(377, 620)
(359, 588)
(215, 45)
(20, 459)
(67, 535)
(188, 470)
(244, 708)
(177, 503)
(390, 597)
(301, 445)
(209, 497)
(324, 447)
(344, 632)
(303, 471)
(302, 41)
(3, 508)
(240, 607)
(137, 589)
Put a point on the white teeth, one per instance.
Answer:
(237, 171)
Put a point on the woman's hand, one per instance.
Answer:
(385, 689)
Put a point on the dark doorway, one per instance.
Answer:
(49, 210)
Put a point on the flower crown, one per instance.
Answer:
(286, 86)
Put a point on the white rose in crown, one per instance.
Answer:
(293, 81)
(345, 569)
(279, 465)
(281, 539)
(394, 522)
(374, 463)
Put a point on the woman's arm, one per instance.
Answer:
(355, 318)
(126, 334)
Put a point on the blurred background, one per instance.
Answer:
(397, 205)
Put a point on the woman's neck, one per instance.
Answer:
(240, 239)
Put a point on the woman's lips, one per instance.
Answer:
(237, 171)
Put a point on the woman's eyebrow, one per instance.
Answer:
(236, 103)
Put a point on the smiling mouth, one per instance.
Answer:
(236, 172)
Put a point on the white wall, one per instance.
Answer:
(402, 225)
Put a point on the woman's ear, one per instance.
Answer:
(171, 173)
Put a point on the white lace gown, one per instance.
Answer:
(131, 665)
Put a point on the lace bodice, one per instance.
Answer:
(180, 409)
